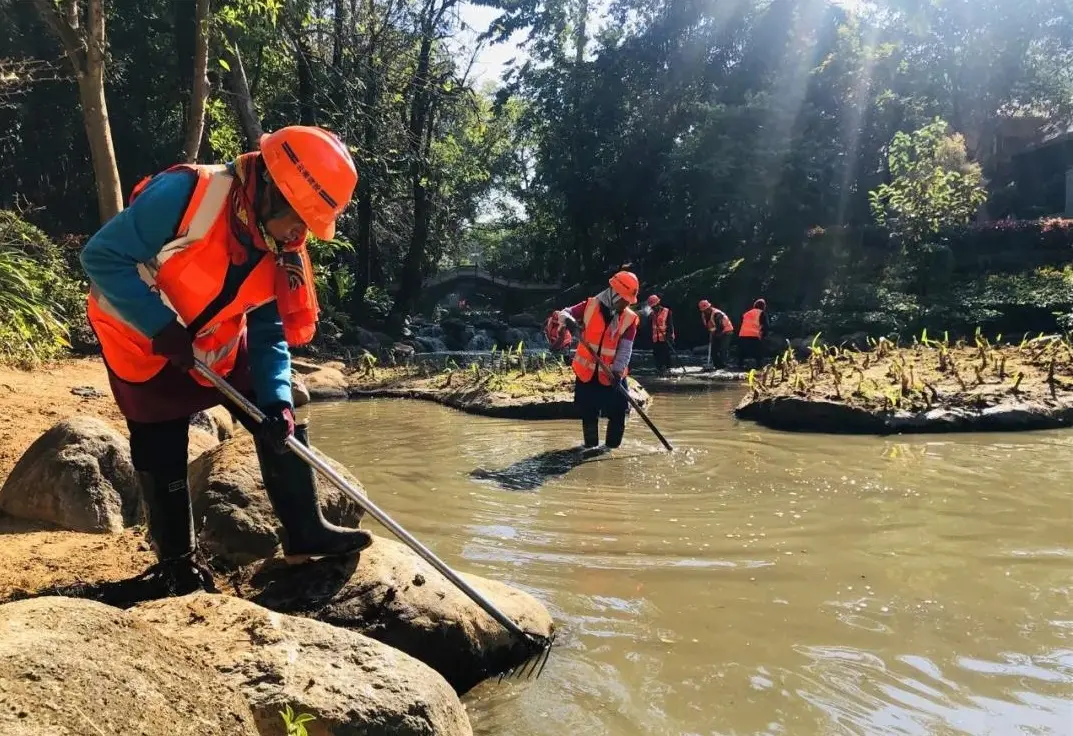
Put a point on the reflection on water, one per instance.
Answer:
(754, 582)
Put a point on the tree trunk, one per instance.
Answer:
(370, 135)
(307, 108)
(241, 98)
(99, 133)
(410, 278)
(199, 87)
(342, 23)
(85, 48)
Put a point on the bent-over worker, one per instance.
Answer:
(720, 329)
(754, 328)
(209, 262)
(663, 333)
(605, 322)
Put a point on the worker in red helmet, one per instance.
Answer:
(209, 263)
(720, 330)
(607, 323)
(663, 334)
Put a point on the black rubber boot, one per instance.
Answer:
(292, 489)
(169, 514)
(616, 427)
(590, 431)
(171, 534)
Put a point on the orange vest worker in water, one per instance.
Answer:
(607, 323)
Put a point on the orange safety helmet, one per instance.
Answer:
(704, 304)
(626, 285)
(314, 171)
(653, 300)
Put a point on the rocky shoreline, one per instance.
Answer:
(928, 387)
(378, 643)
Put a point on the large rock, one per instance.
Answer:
(326, 384)
(77, 476)
(396, 597)
(71, 666)
(208, 429)
(298, 390)
(351, 684)
(217, 421)
(236, 522)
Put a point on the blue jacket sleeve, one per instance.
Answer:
(134, 236)
(270, 360)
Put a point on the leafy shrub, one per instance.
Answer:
(933, 185)
(42, 296)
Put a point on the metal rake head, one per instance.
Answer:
(538, 651)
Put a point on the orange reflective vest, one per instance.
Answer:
(188, 273)
(711, 321)
(659, 325)
(750, 323)
(602, 336)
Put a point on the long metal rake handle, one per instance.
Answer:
(626, 392)
(314, 458)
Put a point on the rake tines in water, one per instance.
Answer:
(538, 651)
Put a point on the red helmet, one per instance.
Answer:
(626, 285)
(704, 304)
(652, 300)
(315, 173)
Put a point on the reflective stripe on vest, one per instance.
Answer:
(188, 273)
(659, 325)
(605, 337)
(750, 323)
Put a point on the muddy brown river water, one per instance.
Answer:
(754, 582)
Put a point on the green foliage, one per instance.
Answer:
(932, 185)
(295, 724)
(39, 296)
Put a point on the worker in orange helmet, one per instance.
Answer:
(720, 330)
(210, 263)
(607, 323)
(662, 333)
(754, 328)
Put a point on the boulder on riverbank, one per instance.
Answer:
(79, 667)
(544, 392)
(394, 596)
(326, 384)
(928, 387)
(351, 684)
(76, 476)
(236, 522)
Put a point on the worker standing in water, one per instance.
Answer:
(210, 263)
(720, 329)
(754, 328)
(662, 333)
(607, 323)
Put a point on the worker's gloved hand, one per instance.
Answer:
(277, 426)
(571, 324)
(175, 344)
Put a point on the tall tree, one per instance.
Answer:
(199, 88)
(82, 34)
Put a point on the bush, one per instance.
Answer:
(42, 297)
